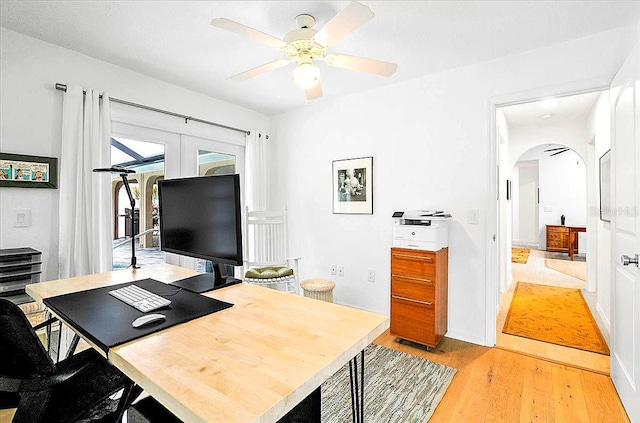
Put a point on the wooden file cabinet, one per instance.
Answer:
(419, 295)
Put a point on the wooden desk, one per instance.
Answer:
(573, 238)
(564, 239)
(252, 362)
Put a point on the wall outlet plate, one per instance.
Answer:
(473, 216)
(22, 218)
(371, 275)
(334, 269)
(340, 270)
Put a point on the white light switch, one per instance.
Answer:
(22, 218)
(473, 217)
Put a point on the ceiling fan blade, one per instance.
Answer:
(259, 70)
(555, 149)
(314, 92)
(344, 23)
(361, 64)
(246, 31)
(559, 152)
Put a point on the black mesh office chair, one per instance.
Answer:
(78, 389)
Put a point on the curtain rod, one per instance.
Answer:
(63, 87)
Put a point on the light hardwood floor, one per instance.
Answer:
(496, 385)
(522, 380)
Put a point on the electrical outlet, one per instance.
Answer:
(22, 218)
(334, 269)
(473, 216)
(371, 275)
(340, 270)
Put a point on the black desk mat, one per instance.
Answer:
(106, 321)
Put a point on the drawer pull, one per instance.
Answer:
(413, 279)
(411, 299)
(414, 257)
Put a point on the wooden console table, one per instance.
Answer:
(563, 239)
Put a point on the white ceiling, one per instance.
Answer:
(173, 40)
(551, 112)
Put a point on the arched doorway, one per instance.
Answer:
(548, 187)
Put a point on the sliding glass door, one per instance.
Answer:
(204, 157)
(155, 155)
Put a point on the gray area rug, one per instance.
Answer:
(399, 387)
(564, 256)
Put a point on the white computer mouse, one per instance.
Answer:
(148, 319)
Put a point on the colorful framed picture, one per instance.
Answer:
(21, 171)
(353, 186)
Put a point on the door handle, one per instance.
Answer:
(412, 300)
(626, 260)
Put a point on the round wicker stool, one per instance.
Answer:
(320, 289)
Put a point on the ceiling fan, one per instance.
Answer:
(306, 45)
(558, 150)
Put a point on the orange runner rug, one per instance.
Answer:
(520, 255)
(556, 315)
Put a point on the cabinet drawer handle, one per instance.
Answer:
(413, 279)
(415, 257)
(412, 300)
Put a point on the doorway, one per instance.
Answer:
(146, 159)
(543, 145)
(155, 155)
(524, 203)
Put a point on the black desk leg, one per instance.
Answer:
(49, 332)
(357, 389)
(73, 345)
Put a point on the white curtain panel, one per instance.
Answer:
(256, 171)
(85, 197)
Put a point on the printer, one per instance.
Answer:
(421, 229)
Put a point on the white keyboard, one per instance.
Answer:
(139, 298)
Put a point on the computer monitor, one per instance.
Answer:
(200, 217)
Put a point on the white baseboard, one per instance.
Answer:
(605, 321)
(466, 337)
(525, 244)
(357, 307)
(460, 336)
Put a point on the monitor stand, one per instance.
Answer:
(205, 282)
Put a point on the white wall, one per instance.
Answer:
(429, 141)
(527, 205)
(515, 201)
(563, 191)
(31, 122)
(504, 229)
(572, 133)
(600, 127)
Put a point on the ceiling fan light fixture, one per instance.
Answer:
(306, 75)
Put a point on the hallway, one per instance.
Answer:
(535, 271)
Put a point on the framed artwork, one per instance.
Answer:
(20, 171)
(605, 187)
(353, 186)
